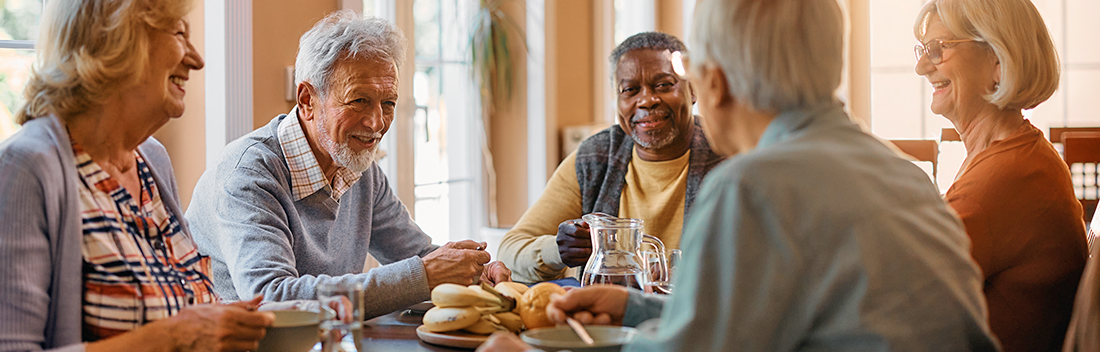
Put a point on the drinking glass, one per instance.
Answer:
(343, 332)
(658, 282)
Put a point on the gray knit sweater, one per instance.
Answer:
(261, 241)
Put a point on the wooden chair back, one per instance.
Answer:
(1083, 147)
(950, 135)
(1056, 133)
(921, 150)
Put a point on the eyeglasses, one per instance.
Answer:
(934, 49)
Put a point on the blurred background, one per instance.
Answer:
(473, 145)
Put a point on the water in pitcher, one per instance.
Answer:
(629, 278)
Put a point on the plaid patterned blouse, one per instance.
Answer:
(139, 265)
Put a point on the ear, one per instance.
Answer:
(691, 90)
(306, 96)
(714, 85)
(997, 72)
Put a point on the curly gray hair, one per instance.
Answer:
(645, 40)
(345, 34)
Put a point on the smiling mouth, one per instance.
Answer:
(649, 118)
(367, 140)
(940, 85)
(177, 80)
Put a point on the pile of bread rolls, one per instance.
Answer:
(483, 310)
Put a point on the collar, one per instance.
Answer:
(788, 122)
(306, 176)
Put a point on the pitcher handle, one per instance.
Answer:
(660, 247)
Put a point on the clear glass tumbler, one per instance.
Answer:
(342, 333)
(658, 282)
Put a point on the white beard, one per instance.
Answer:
(341, 153)
(656, 144)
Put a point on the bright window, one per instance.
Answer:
(18, 27)
(633, 17)
(446, 125)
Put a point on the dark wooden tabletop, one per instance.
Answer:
(397, 332)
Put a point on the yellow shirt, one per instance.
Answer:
(651, 186)
(654, 192)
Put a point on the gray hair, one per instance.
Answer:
(645, 40)
(777, 55)
(345, 34)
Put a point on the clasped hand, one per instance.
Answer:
(574, 242)
(220, 327)
(464, 263)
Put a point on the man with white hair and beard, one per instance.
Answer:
(300, 201)
(648, 167)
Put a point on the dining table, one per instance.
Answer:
(396, 332)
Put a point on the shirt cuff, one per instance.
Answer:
(641, 307)
(419, 275)
(548, 250)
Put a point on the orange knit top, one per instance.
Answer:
(1017, 203)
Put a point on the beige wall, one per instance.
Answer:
(570, 63)
(276, 27)
(185, 137)
(508, 134)
(670, 17)
(858, 55)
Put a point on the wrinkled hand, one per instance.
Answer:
(595, 304)
(220, 327)
(574, 242)
(496, 273)
(503, 341)
(457, 263)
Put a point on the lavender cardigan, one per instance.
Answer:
(41, 286)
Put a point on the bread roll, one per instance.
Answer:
(533, 307)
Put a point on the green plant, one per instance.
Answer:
(491, 53)
(492, 68)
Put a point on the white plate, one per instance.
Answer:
(460, 339)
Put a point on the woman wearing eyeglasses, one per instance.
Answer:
(95, 254)
(987, 60)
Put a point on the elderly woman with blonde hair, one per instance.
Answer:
(96, 253)
(987, 60)
(813, 235)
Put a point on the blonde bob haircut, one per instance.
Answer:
(777, 55)
(1019, 38)
(88, 50)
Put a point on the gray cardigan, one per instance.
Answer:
(41, 284)
(263, 241)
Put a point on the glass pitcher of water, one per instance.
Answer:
(616, 258)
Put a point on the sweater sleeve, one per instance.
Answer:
(641, 307)
(530, 249)
(25, 255)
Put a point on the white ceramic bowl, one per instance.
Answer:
(608, 338)
(293, 331)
